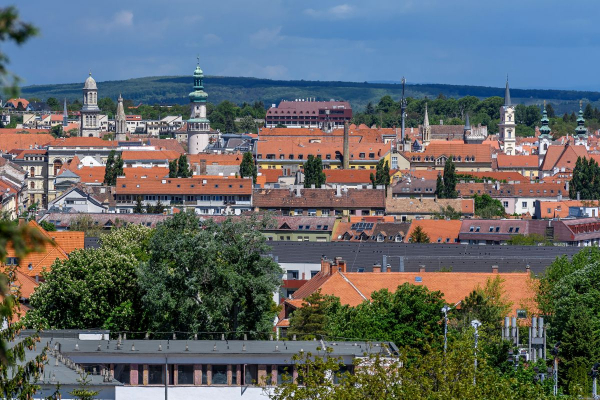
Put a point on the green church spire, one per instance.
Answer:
(581, 130)
(545, 128)
(198, 95)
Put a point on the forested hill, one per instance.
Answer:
(175, 89)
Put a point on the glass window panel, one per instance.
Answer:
(251, 376)
(219, 374)
(156, 374)
(122, 373)
(185, 374)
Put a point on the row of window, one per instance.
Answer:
(443, 159)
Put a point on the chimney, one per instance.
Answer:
(338, 191)
(578, 196)
(567, 186)
(298, 194)
(341, 265)
(376, 268)
(346, 155)
(494, 269)
(421, 268)
(325, 266)
(527, 268)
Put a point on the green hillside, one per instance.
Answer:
(174, 89)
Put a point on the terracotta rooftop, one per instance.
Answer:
(427, 206)
(506, 161)
(184, 186)
(141, 155)
(348, 176)
(10, 140)
(562, 157)
(271, 175)
(524, 189)
(215, 159)
(320, 198)
(139, 172)
(439, 231)
(83, 142)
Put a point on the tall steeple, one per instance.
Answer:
(545, 128)
(120, 121)
(581, 130)
(65, 115)
(90, 113)
(507, 124)
(198, 125)
(507, 94)
(426, 129)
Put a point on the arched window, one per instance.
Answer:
(32, 172)
(57, 166)
(31, 185)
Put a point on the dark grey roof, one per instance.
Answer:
(462, 258)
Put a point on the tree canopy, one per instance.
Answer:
(247, 167)
(313, 172)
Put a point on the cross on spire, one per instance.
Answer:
(198, 58)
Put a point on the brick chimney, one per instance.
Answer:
(421, 268)
(325, 266)
(346, 155)
(494, 269)
(341, 264)
(376, 268)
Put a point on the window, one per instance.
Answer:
(524, 204)
(284, 374)
(471, 229)
(185, 374)
(497, 229)
(510, 229)
(521, 313)
(219, 374)
(292, 275)
(517, 229)
(251, 375)
(491, 229)
(477, 229)
(156, 374)
(123, 373)
(505, 204)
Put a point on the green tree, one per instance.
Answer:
(94, 287)
(382, 174)
(159, 208)
(550, 111)
(183, 168)
(53, 103)
(418, 235)
(139, 207)
(586, 179)
(85, 223)
(82, 392)
(439, 187)
(247, 124)
(173, 166)
(57, 131)
(531, 239)
(448, 212)
(409, 316)
(450, 179)
(48, 226)
(487, 207)
(313, 172)
(310, 320)
(109, 172)
(209, 277)
(247, 167)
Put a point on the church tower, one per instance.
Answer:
(545, 139)
(90, 113)
(198, 126)
(507, 124)
(65, 116)
(120, 122)
(581, 136)
(426, 129)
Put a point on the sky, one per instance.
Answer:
(539, 44)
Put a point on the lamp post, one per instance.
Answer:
(594, 374)
(445, 310)
(555, 352)
(475, 324)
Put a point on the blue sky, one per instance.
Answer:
(540, 44)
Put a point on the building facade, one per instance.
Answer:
(90, 112)
(301, 113)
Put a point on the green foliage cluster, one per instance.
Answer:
(531, 239)
(448, 212)
(183, 276)
(569, 295)
(85, 224)
(421, 369)
(248, 167)
(382, 174)
(114, 168)
(418, 235)
(445, 187)
(586, 180)
(180, 168)
(487, 207)
(313, 172)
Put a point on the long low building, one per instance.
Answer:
(123, 369)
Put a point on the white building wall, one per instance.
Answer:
(190, 392)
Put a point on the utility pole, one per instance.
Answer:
(594, 374)
(445, 310)
(475, 324)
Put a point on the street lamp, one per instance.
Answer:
(475, 324)
(594, 374)
(445, 310)
(555, 352)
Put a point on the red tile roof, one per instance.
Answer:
(134, 155)
(320, 198)
(271, 175)
(83, 142)
(348, 176)
(215, 159)
(138, 172)
(439, 231)
(10, 140)
(195, 185)
(506, 161)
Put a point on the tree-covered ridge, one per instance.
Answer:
(174, 90)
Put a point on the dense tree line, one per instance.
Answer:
(586, 180)
(184, 276)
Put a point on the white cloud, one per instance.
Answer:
(266, 37)
(210, 39)
(341, 11)
(123, 19)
